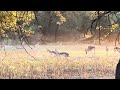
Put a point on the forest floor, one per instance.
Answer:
(17, 64)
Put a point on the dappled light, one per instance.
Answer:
(59, 44)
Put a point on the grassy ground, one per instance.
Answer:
(19, 65)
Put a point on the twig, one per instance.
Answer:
(27, 51)
(23, 38)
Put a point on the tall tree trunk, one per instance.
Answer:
(99, 26)
(56, 30)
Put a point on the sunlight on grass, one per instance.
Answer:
(17, 64)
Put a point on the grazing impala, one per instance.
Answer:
(117, 48)
(90, 48)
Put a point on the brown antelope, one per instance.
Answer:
(53, 53)
(90, 48)
(117, 48)
(62, 54)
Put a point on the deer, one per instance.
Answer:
(117, 48)
(53, 53)
(62, 54)
(90, 48)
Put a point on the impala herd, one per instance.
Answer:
(89, 48)
(55, 53)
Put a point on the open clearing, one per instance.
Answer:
(19, 65)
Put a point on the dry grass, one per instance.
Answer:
(19, 65)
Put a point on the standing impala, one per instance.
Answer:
(53, 53)
(62, 54)
(117, 48)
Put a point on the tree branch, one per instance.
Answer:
(23, 45)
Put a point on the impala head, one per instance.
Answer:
(116, 48)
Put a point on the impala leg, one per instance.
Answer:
(86, 52)
(107, 53)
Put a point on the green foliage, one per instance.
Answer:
(67, 20)
(10, 20)
(61, 17)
